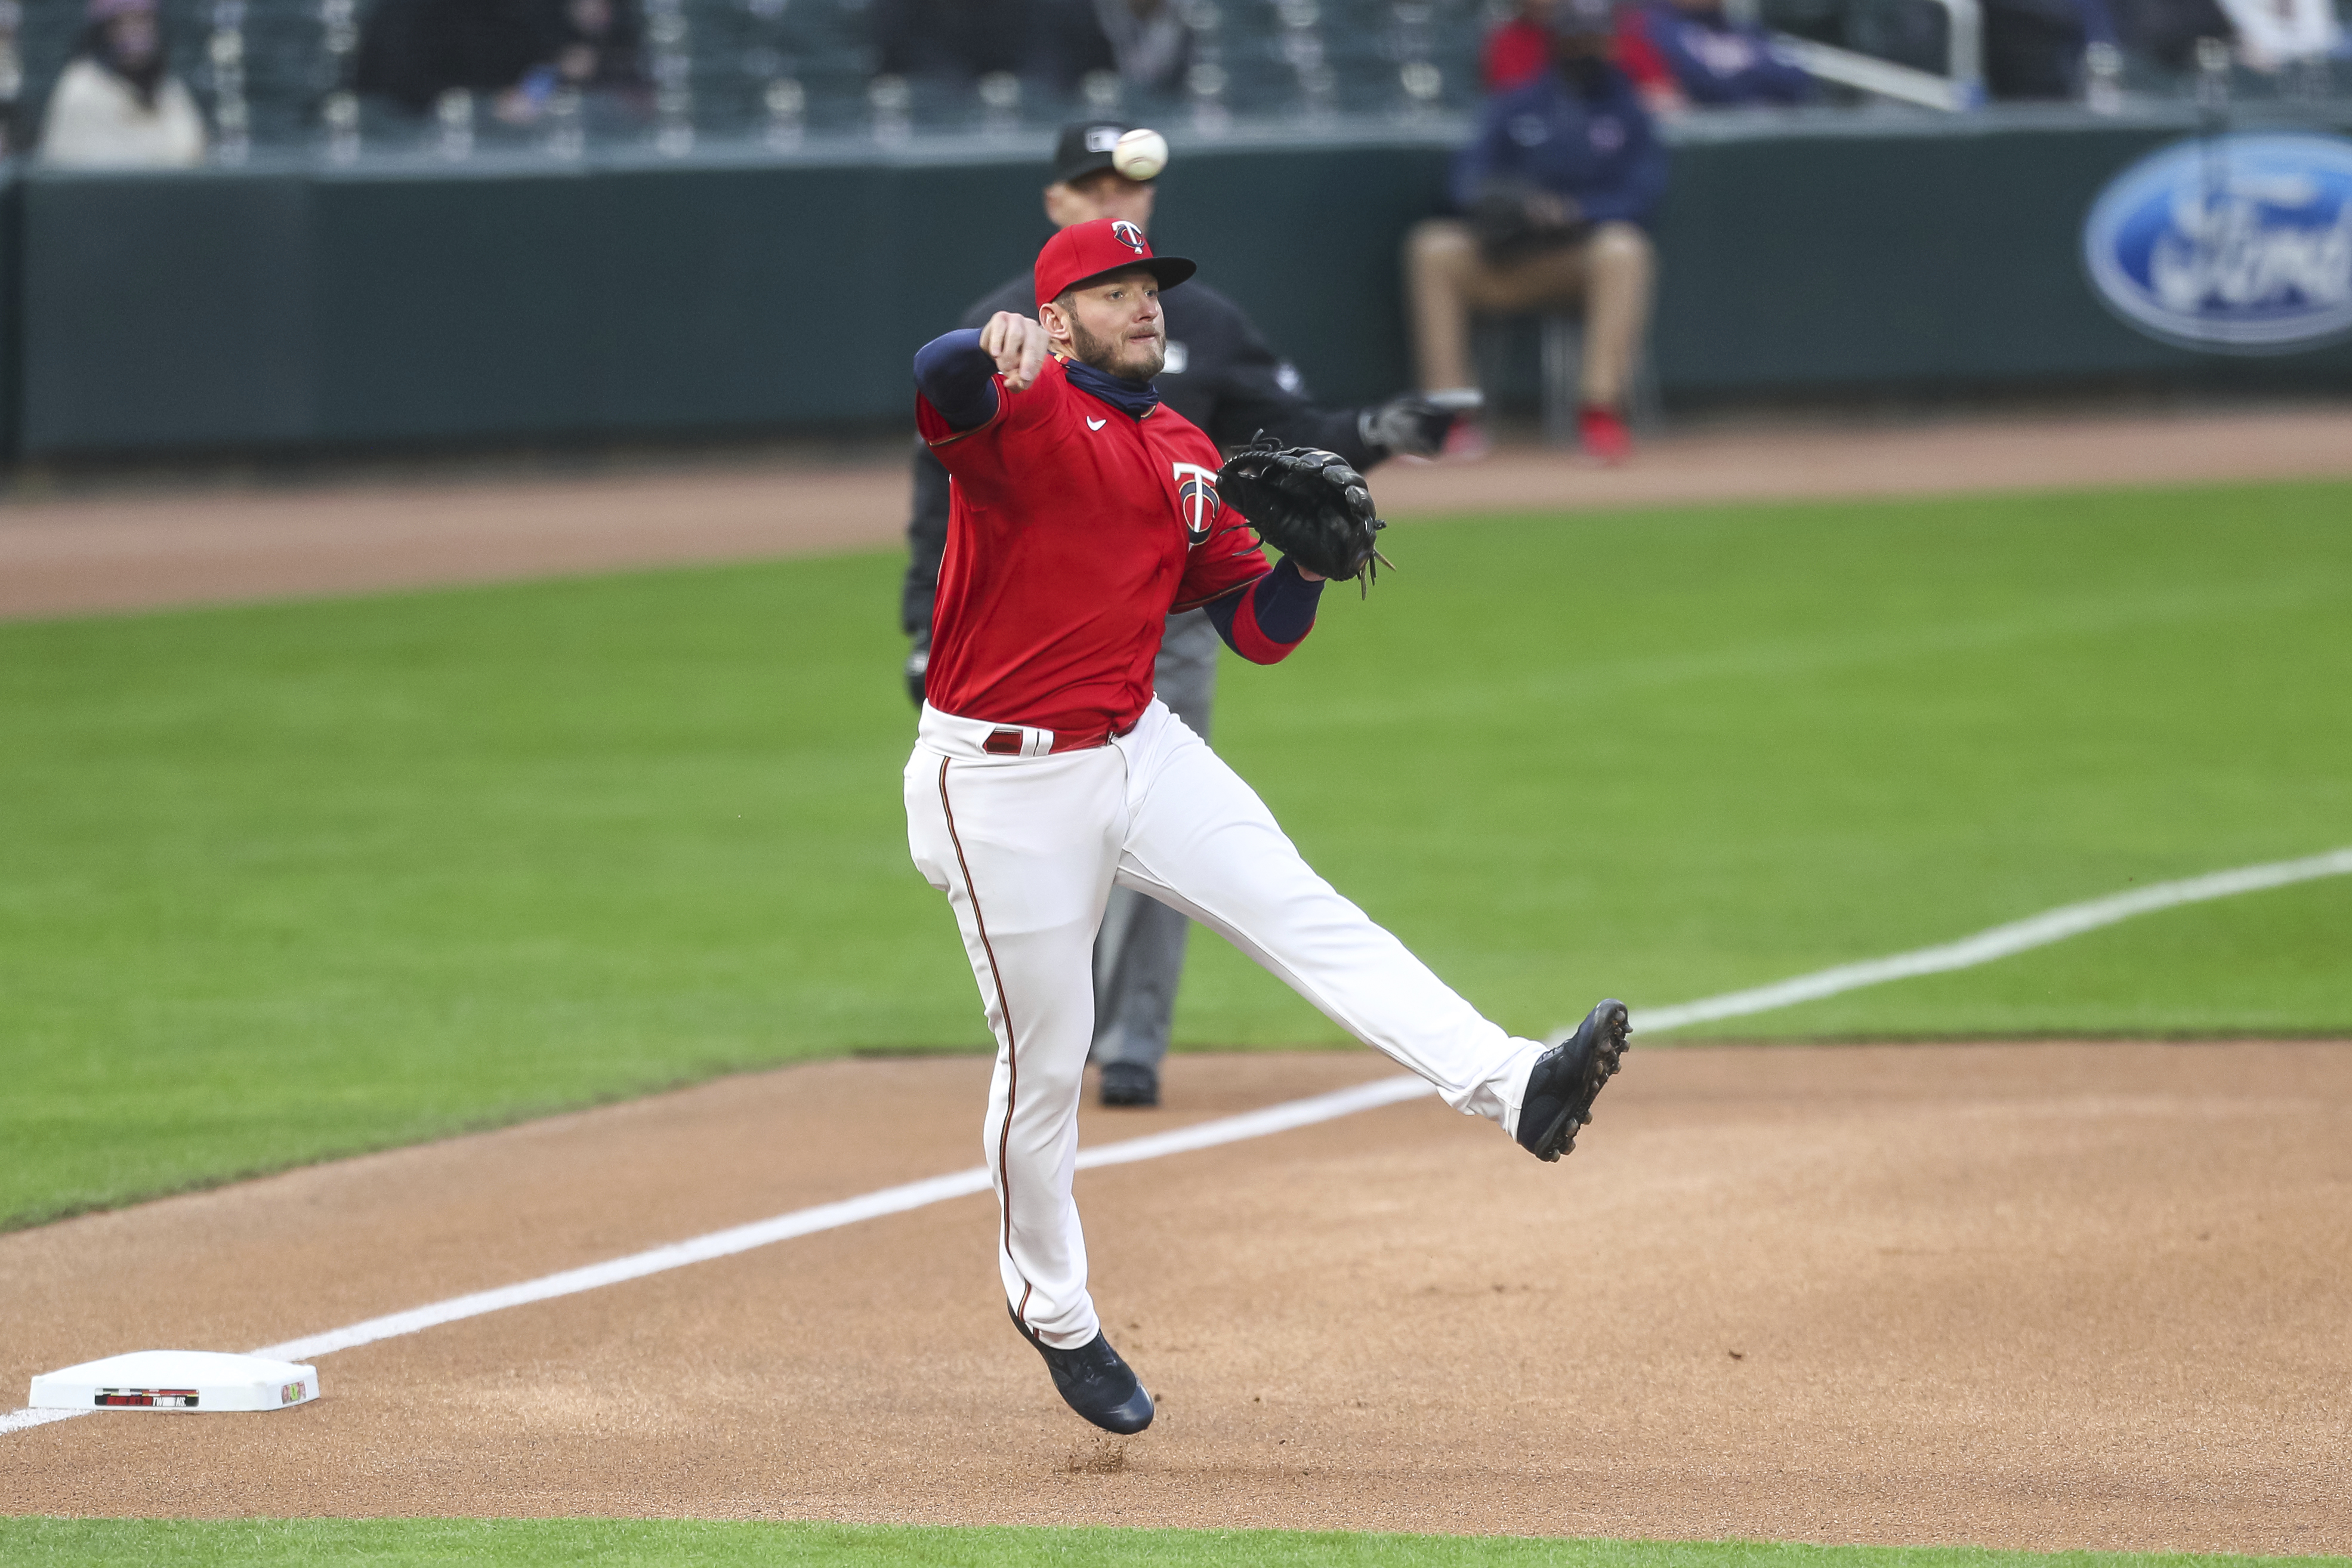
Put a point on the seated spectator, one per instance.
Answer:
(1558, 185)
(1687, 51)
(517, 52)
(116, 105)
(1519, 50)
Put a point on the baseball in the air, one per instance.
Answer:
(1141, 154)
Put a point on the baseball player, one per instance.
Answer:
(1220, 376)
(1045, 772)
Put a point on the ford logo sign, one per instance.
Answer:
(2235, 244)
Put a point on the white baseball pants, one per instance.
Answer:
(1027, 849)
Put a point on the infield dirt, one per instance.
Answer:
(2046, 1296)
(130, 550)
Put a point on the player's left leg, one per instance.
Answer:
(1200, 838)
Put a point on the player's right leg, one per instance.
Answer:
(1024, 848)
(1021, 848)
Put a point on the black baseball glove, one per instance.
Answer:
(1308, 504)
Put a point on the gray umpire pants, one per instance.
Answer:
(1139, 951)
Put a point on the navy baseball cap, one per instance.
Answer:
(1085, 148)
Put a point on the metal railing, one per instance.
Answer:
(1960, 88)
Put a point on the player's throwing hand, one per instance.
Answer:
(1018, 346)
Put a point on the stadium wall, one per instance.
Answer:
(297, 304)
(12, 299)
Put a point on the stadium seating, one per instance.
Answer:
(788, 72)
(784, 68)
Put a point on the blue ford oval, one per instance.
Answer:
(2236, 244)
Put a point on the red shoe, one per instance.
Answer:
(1602, 431)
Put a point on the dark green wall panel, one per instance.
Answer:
(531, 300)
(165, 310)
(12, 308)
(640, 299)
(447, 308)
(1822, 261)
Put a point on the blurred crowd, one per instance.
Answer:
(155, 82)
(517, 54)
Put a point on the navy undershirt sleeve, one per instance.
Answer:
(959, 378)
(1282, 601)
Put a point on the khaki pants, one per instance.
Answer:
(1609, 272)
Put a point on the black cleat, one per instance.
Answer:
(1130, 1083)
(1567, 1078)
(1093, 1381)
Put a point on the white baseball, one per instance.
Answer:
(1141, 154)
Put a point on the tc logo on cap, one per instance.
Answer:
(1102, 138)
(1127, 234)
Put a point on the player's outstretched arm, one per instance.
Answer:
(958, 379)
(957, 373)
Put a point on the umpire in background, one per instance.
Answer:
(1221, 377)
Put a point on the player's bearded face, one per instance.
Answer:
(1117, 327)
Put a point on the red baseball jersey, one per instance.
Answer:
(1073, 530)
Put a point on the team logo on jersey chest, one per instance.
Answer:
(1196, 497)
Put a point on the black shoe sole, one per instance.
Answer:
(1610, 1026)
(1126, 1418)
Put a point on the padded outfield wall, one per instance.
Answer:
(291, 303)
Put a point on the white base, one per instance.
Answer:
(177, 1380)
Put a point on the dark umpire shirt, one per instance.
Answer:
(1220, 376)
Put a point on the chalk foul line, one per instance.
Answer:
(1250, 1124)
(1984, 947)
(2001, 941)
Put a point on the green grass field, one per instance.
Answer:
(387, 1543)
(283, 882)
